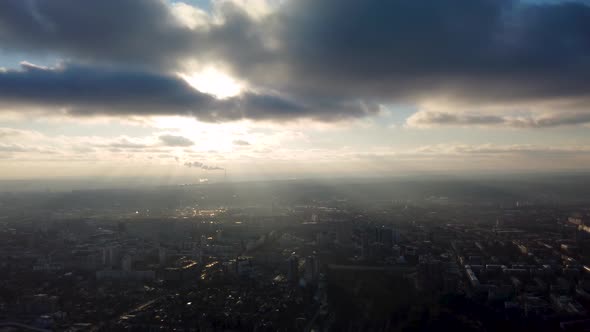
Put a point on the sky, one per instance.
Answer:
(292, 88)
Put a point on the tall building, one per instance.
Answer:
(162, 256)
(312, 269)
(127, 263)
(111, 256)
(293, 269)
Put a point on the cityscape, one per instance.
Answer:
(298, 256)
(294, 165)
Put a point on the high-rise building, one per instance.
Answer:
(312, 269)
(162, 256)
(111, 256)
(127, 263)
(293, 269)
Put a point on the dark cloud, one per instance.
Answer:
(328, 59)
(82, 90)
(440, 118)
(473, 50)
(428, 119)
(135, 33)
(196, 164)
(110, 30)
(172, 140)
(86, 90)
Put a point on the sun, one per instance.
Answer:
(213, 81)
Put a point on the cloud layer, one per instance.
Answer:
(302, 58)
(83, 90)
(432, 119)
